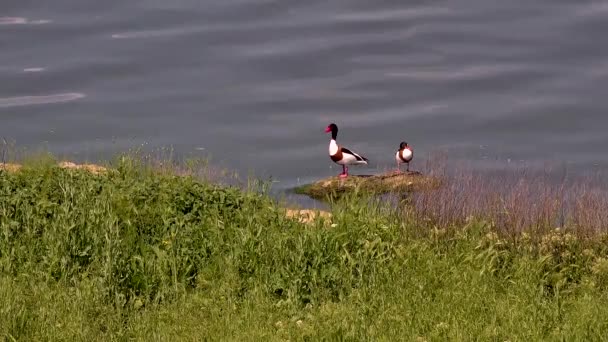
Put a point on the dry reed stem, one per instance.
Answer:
(514, 201)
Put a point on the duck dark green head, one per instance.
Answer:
(333, 128)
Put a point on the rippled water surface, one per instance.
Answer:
(254, 83)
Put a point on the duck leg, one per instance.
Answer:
(344, 173)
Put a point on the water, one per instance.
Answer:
(253, 83)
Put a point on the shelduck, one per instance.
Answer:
(405, 154)
(341, 155)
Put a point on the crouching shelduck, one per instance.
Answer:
(405, 154)
(341, 155)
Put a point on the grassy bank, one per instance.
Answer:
(146, 255)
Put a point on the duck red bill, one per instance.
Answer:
(327, 130)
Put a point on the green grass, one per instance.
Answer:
(144, 255)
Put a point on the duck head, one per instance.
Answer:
(333, 129)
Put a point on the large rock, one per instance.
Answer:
(392, 182)
(93, 168)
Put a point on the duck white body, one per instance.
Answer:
(404, 155)
(348, 157)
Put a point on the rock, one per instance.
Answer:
(307, 215)
(391, 182)
(93, 168)
(10, 167)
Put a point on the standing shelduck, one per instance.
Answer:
(341, 155)
(405, 154)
